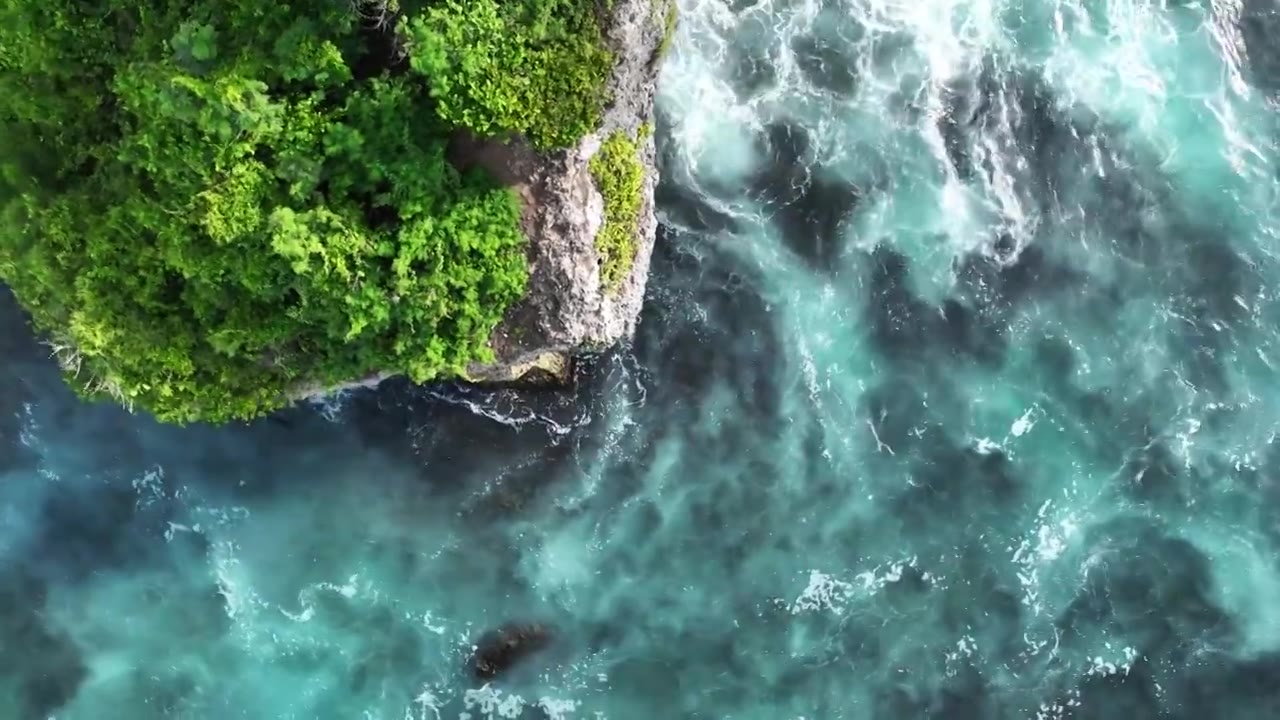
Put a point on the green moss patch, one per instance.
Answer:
(670, 22)
(619, 175)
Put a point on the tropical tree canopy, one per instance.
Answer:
(206, 203)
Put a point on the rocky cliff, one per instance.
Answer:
(569, 307)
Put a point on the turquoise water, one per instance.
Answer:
(955, 396)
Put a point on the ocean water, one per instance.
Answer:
(955, 396)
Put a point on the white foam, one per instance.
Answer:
(427, 701)
(964, 651)
(556, 708)
(1023, 424)
(149, 486)
(1113, 663)
(232, 586)
(492, 703)
(1052, 535)
(823, 593)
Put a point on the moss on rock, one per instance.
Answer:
(670, 22)
(619, 175)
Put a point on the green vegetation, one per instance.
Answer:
(670, 21)
(206, 203)
(619, 175)
(537, 68)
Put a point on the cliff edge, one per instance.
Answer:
(571, 305)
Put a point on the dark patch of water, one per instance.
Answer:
(1152, 475)
(826, 63)
(707, 324)
(42, 667)
(1252, 686)
(808, 206)
(21, 354)
(1152, 589)
(950, 478)
(998, 285)
(905, 328)
(1121, 696)
(964, 696)
(1259, 25)
(1214, 279)
(897, 410)
(1025, 132)
(751, 71)
(899, 320)
(85, 529)
(963, 106)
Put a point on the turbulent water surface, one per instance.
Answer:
(955, 396)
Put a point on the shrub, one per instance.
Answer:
(204, 204)
(536, 67)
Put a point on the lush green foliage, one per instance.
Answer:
(619, 175)
(537, 67)
(204, 204)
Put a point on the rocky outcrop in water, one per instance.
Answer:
(497, 651)
(568, 308)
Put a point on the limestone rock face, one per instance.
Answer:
(566, 310)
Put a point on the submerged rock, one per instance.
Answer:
(497, 651)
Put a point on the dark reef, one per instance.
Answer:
(499, 650)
